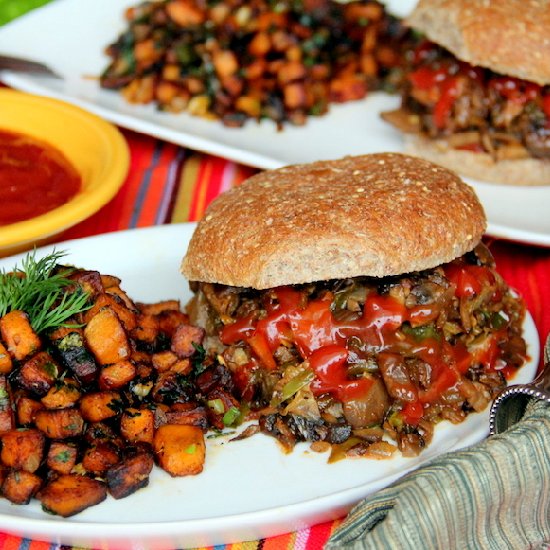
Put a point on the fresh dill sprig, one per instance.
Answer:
(39, 290)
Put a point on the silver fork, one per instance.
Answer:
(510, 404)
(21, 65)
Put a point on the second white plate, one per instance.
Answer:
(76, 53)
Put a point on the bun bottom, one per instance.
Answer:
(480, 166)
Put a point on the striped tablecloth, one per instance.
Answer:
(170, 184)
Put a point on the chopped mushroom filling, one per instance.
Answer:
(473, 108)
(359, 362)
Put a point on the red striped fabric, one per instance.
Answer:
(168, 184)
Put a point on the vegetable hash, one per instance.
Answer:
(236, 60)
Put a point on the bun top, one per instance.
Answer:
(377, 215)
(509, 37)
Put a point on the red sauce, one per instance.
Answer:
(321, 339)
(443, 77)
(35, 178)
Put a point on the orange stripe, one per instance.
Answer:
(198, 204)
(12, 543)
(39, 545)
(278, 543)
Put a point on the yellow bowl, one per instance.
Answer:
(94, 147)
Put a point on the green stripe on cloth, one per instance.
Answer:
(494, 495)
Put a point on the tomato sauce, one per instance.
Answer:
(322, 339)
(35, 178)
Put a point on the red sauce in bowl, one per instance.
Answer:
(35, 178)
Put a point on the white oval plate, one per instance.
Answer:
(513, 212)
(249, 489)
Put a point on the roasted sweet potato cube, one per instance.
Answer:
(117, 375)
(114, 302)
(170, 320)
(102, 432)
(23, 449)
(184, 340)
(75, 356)
(59, 423)
(62, 457)
(111, 284)
(6, 364)
(138, 425)
(38, 374)
(163, 360)
(159, 307)
(189, 414)
(62, 395)
(147, 328)
(69, 494)
(20, 486)
(99, 458)
(100, 405)
(89, 281)
(109, 281)
(180, 449)
(7, 421)
(18, 335)
(107, 338)
(130, 475)
(26, 409)
(4, 471)
(170, 388)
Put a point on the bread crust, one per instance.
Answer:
(509, 37)
(480, 166)
(377, 215)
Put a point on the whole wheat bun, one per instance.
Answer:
(510, 37)
(480, 166)
(377, 215)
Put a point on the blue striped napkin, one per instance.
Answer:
(493, 495)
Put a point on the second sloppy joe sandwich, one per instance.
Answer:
(352, 301)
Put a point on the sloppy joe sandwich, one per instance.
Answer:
(476, 96)
(352, 301)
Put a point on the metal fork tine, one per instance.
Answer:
(20, 65)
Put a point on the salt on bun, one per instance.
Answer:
(375, 215)
(509, 37)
